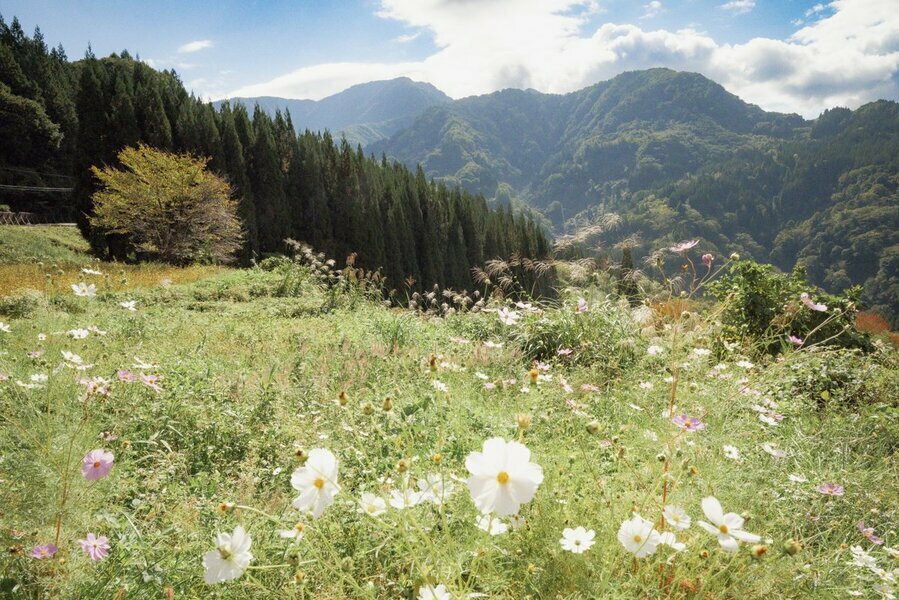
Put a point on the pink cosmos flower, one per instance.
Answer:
(564, 351)
(47, 551)
(868, 532)
(126, 376)
(796, 341)
(581, 307)
(95, 547)
(589, 387)
(707, 260)
(688, 423)
(811, 305)
(831, 489)
(96, 464)
(683, 246)
(151, 381)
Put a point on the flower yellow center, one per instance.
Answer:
(97, 464)
(502, 478)
(298, 527)
(638, 539)
(319, 483)
(723, 529)
(224, 552)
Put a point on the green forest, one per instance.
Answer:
(68, 116)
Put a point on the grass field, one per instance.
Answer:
(215, 392)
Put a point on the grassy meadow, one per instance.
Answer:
(216, 388)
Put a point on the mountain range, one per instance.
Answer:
(362, 114)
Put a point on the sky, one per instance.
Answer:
(796, 56)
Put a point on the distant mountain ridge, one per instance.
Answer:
(363, 113)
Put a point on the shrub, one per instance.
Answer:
(603, 336)
(765, 306)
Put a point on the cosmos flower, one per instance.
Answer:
(582, 307)
(796, 341)
(151, 381)
(84, 291)
(95, 547)
(669, 539)
(491, 525)
(129, 305)
(731, 452)
(406, 498)
(372, 505)
(683, 246)
(707, 260)
(502, 477)
(508, 317)
(654, 350)
(5, 328)
(577, 540)
(831, 489)
(96, 464)
(638, 536)
(438, 592)
(295, 533)
(78, 334)
(440, 386)
(807, 301)
(230, 559)
(773, 450)
(45, 551)
(676, 517)
(868, 532)
(316, 481)
(564, 351)
(435, 488)
(728, 528)
(87, 271)
(688, 423)
(126, 376)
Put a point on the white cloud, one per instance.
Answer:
(195, 46)
(845, 58)
(651, 9)
(739, 7)
(406, 38)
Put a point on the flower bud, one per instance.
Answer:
(437, 458)
(342, 399)
(792, 547)
(593, 427)
(402, 465)
(759, 550)
(523, 420)
(387, 405)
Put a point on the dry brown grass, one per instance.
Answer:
(116, 276)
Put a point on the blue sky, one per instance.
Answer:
(789, 55)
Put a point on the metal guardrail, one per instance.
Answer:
(19, 218)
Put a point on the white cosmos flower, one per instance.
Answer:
(668, 539)
(230, 559)
(577, 540)
(491, 525)
(773, 450)
(638, 536)
(727, 527)
(797, 478)
(701, 351)
(731, 452)
(745, 364)
(654, 350)
(87, 271)
(502, 477)
(508, 317)
(435, 489)
(84, 290)
(440, 386)
(316, 481)
(438, 592)
(5, 328)
(676, 516)
(129, 305)
(78, 334)
(406, 498)
(372, 505)
(295, 534)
